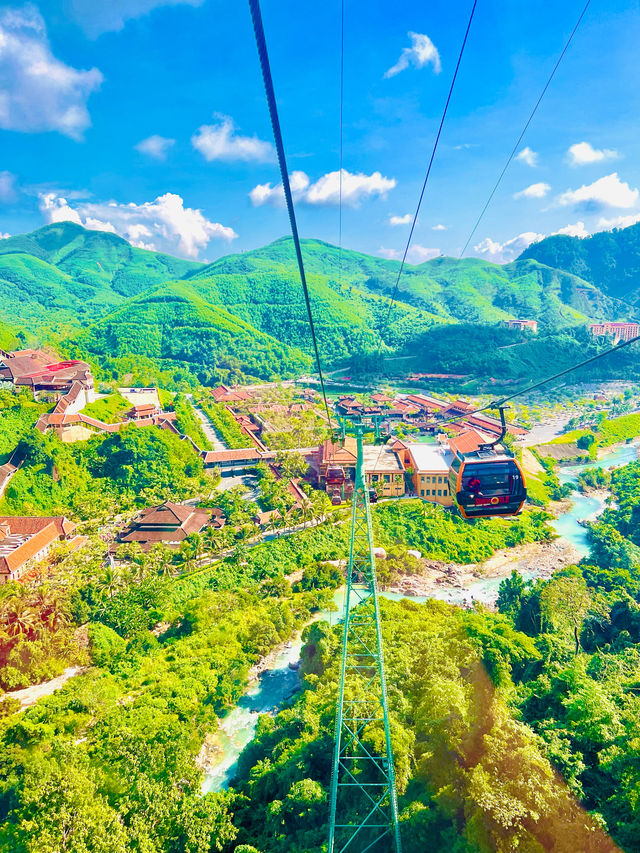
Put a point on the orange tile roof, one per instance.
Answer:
(28, 524)
(17, 548)
(468, 442)
(337, 454)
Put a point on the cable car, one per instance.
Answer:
(335, 476)
(486, 482)
(336, 500)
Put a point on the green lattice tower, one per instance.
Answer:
(364, 810)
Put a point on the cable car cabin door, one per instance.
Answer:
(490, 487)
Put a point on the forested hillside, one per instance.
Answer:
(243, 316)
(174, 327)
(610, 260)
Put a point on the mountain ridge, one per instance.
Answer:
(87, 283)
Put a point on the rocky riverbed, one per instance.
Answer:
(541, 558)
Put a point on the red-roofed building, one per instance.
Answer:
(57, 377)
(13, 365)
(458, 407)
(223, 394)
(142, 410)
(25, 540)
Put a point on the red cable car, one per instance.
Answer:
(335, 476)
(486, 482)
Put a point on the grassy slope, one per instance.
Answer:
(109, 409)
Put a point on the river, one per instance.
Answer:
(280, 681)
(587, 507)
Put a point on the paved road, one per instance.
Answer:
(207, 427)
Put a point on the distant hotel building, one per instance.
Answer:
(522, 324)
(619, 331)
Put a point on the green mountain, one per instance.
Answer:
(172, 326)
(453, 290)
(350, 293)
(244, 315)
(610, 260)
(65, 273)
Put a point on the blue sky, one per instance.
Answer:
(147, 117)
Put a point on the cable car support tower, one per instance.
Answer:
(363, 806)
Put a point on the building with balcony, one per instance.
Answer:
(618, 331)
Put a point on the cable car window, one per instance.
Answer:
(487, 477)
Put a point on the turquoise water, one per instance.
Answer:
(280, 682)
(238, 728)
(587, 507)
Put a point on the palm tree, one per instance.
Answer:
(110, 581)
(21, 620)
(52, 611)
(212, 538)
(188, 552)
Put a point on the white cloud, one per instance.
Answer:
(609, 191)
(164, 224)
(5, 236)
(415, 255)
(37, 91)
(155, 146)
(502, 253)
(422, 52)
(439, 227)
(400, 220)
(221, 142)
(528, 156)
(576, 230)
(7, 186)
(102, 16)
(534, 191)
(326, 190)
(618, 221)
(583, 153)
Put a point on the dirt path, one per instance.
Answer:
(29, 695)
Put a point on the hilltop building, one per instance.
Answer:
(619, 331)
(26, 539)
(35, 369)
(13, 365)
(224, 394)
(532, 325)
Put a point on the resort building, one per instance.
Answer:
(224, 394)
(36, 370)
(25, 540)
(170, 524)
(532, 325)
(619, 331)
(384, 471)
(230, 462)
(429, 468)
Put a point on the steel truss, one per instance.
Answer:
(364, 810)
